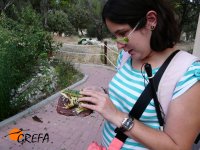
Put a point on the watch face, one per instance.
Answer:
(127, 124)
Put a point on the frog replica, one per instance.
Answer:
(68, 104)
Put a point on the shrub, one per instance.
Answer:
(67, 73)
(22, 43)
(42, 84)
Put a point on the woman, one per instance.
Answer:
(148, 31)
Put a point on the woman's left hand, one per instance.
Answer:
(99, 102)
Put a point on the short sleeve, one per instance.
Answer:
(191, 77)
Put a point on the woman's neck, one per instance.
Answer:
(156, 59)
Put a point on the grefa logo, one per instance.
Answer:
(22, 136)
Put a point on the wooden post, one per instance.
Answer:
(196, 49)
(105, 52)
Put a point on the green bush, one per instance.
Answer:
(22, 42)
(42, 84)
(67, 74)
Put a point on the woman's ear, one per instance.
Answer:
(151, 17)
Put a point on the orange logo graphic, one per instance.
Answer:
(14, 134)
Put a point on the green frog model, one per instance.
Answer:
(72, 96)
(69, 105)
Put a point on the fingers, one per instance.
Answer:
(98, 102)
(88, 106)
(95, 100)
(92, 97)
(91, 100)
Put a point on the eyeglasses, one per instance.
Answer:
(125, 40)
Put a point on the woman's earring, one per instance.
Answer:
(152, 28)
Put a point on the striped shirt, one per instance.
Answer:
(126, 87)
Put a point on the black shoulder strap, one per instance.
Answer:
(197, 139)
(145, 97)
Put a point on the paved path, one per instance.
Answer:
(64, 133)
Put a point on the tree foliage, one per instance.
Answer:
(79, 15)
(188, 12)
(58, 22)
(97, 27)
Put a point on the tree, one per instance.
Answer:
(97, 27)
(44, 8)
(58, 22)
(4, 4)
(188, 12)
(79, 15)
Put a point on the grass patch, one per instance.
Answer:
(67, 74)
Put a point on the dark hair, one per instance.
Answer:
(165, 35)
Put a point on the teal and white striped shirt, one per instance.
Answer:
(126, 87)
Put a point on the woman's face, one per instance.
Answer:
(138, 45)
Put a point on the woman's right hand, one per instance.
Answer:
(101, 103)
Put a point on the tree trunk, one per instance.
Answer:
(44, 7)
(1, 6)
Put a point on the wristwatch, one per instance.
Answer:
(127, 124)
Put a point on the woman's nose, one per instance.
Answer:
(120, 45)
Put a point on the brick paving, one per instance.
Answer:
(64, 133)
